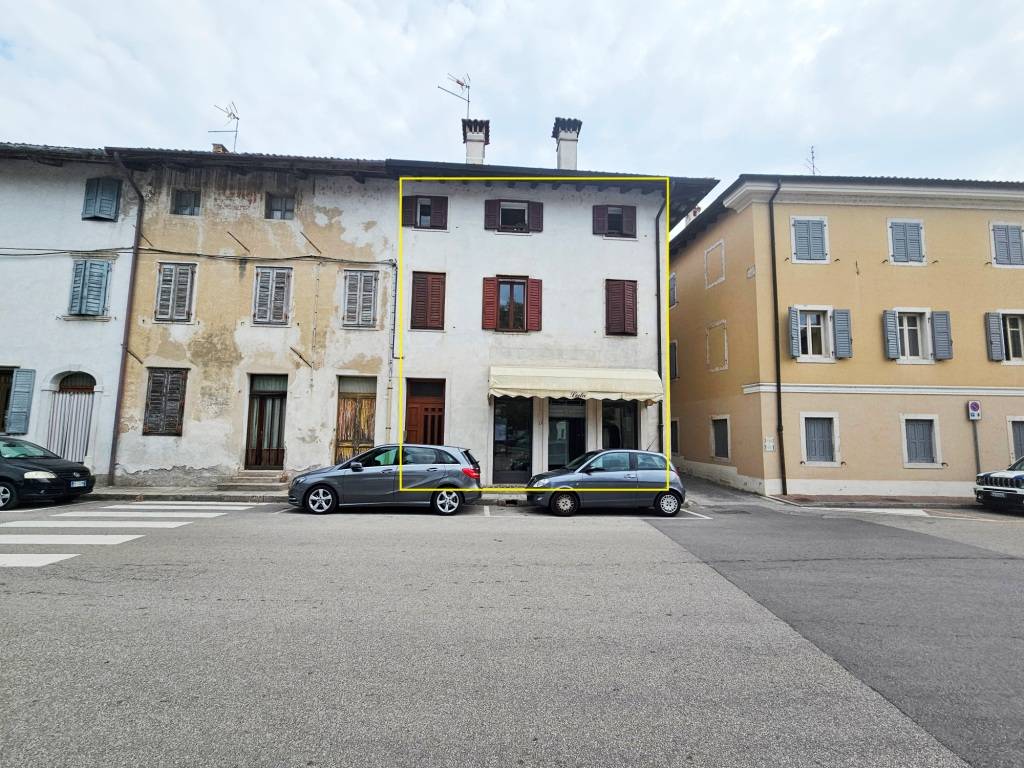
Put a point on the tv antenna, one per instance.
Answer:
(463, 85)
(811, 163)
(231, 112)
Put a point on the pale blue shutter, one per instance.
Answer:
(994, 332)
(1008, 247)
(1018, 439)
(1016, 247)
(891, 334)
(97, 278)
(78, 269)
(842, 334)
(816, 230)
(898, 232)
(819, 439)
(942, 336)
(19, 405)
(92, 192)
(109, 197)
(794, 332)
(915, 247)
(920, 441)
(802, 240)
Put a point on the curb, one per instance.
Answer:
(141, 495)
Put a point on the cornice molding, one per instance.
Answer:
(882, 389)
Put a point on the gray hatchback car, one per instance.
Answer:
(610, 478)
(450, 477)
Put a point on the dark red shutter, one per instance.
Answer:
(535, 216)
(439, 213)
(490, 303)
(419, 299)
(629, 221)
(629, 307)
(600, 219)
(534, 296)
(614, 307)
(491, 208)
(409, 211)
(435, 301)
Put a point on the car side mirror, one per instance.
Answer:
(355, 466)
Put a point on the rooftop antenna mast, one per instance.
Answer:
(231, 111)
(463, 85)
(811, 163)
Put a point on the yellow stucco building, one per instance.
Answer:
(829, 332)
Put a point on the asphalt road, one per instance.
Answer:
(264, 637)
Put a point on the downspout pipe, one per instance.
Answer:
(657, 283)
(778, 340)
(129, 307)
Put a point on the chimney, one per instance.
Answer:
(220, 149)
(566, 134)
(476, 134)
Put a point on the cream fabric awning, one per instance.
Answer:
(587, 383)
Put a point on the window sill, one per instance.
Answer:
(1011, 362)
(427, 330)
(513, 232)
(922, 466)
(175, 322)
(360, 327)
(824, 464)
(793, 260)
(186, 215)
(627, 238)
(429, 229)
(721, 460)
(815, 359)
(913, 361)
(620, 335)
(1007, 266)
(923, 263)
(86, 318)
(255, 324)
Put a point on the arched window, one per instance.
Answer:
(77, 382)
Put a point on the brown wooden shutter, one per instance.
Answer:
(165, 401)
(629, 307)
(154, 417)
(435, 301)
(279, 297)
(182, 297)
(490, 320)
(165, 292)
(174, 401)
(614, 307)
(534, 295)
(409, 211)
(420, 292)
(536, 217)
(629, 221)
(491, 209)
(439, 212)
(600, 219)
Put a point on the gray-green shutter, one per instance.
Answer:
(942, 336)
(92, 193)
(802, 240)
(1016, 247)
(920, 441)
(1008, 246)
(261, 303)
(1018, 439)
(19, 405)
(794, 332)
(89, 284)
(994, 332)
(842, 334)
(915, 248)
(77, 287)
(898, 233)
(109, 198)
(891, 334)
(818, 437)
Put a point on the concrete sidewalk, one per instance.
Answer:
(211, 493)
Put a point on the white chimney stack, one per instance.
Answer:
(476, 134)
(566, 134)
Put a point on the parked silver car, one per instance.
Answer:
(609, 478)
(450, 475)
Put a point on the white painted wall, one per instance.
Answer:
(572, 262)
(41, 208)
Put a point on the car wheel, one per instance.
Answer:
(668, 504)
(8, 496)
(446, 502)
(321, 499)
(564, 504)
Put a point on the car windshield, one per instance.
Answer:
(580, 460)
(19, 449)
(1018, 465)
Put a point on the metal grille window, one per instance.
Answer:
(1013, 337)
(720, 438)
(819, 439)
(360, 310)
(920, 436)
(175, 289)
(280, 206)
(186, 202)
(272, 295)
(165, 401)
(813, 325)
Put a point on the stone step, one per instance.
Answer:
(253, 474)
(252, 485)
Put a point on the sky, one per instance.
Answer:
(678, 88)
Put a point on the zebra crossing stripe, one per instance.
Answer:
(193, 503)
(95, 524)
(122, 513)
(30, 560)
(175, 506)
(71, 538)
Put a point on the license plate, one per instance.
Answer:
(997, 495)
(77, 483)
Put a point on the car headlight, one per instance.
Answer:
(40, 475)
(540, 484)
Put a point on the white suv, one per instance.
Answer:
(1002, 489)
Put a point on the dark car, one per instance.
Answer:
(1000, 490)
(29, 472)
(610, 478)
(450, 476)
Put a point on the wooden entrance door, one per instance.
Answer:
(264, 447)
(356, 416)
(424, 412)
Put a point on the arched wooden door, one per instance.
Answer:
(71, 416)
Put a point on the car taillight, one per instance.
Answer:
(471, 473)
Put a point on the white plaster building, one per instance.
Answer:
(67, 222)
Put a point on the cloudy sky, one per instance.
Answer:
(694, 88)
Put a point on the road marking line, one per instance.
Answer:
(95, 524)
(697, 514)
(71, 538)
(175, 506)
(30, 561)
(885, 511)
(137, 513)
(242, 504)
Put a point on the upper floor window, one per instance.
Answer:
(425, 212)
(820, 334)
(673, 359)
(512, 304)
(673, 297)
(917, 335)
(513, 216)
(89, 284)
(814, 333)
(906, 242)
(360, 310)
(186, 202)
(174, 292)
(810, 240)
(428, 300)
(615, 220)
(102, 198)
(911, 340)
(1013, 336)
(1005, 332)
(1007, 250)
(620, 307)
(280, 206)
(272, 295)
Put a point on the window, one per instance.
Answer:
(620, 307)
(1013, 337)
(415, 455)
(423, 212)
(673, 359)
(673, 298)
(813, 337)
(272, 295)
(674, 436)
(650, 461)
(428, 300)
(915, 335)
(818, 431)
(17, 390)
(165, 401)
(720, 437)
(615, 220)
(714, 264)
(1016, 438)
(175, 289)
(89, 284)
(280, 206)
(906, 242)
(619, 424)
(1007, 250)
(379, 457)
(716, 346)
(911, 325)
(360, 310)
(102, 198)
(810, 241)
(920, 444)
(186, 202)
(513, 216)
(617, 461)
(512, 304)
